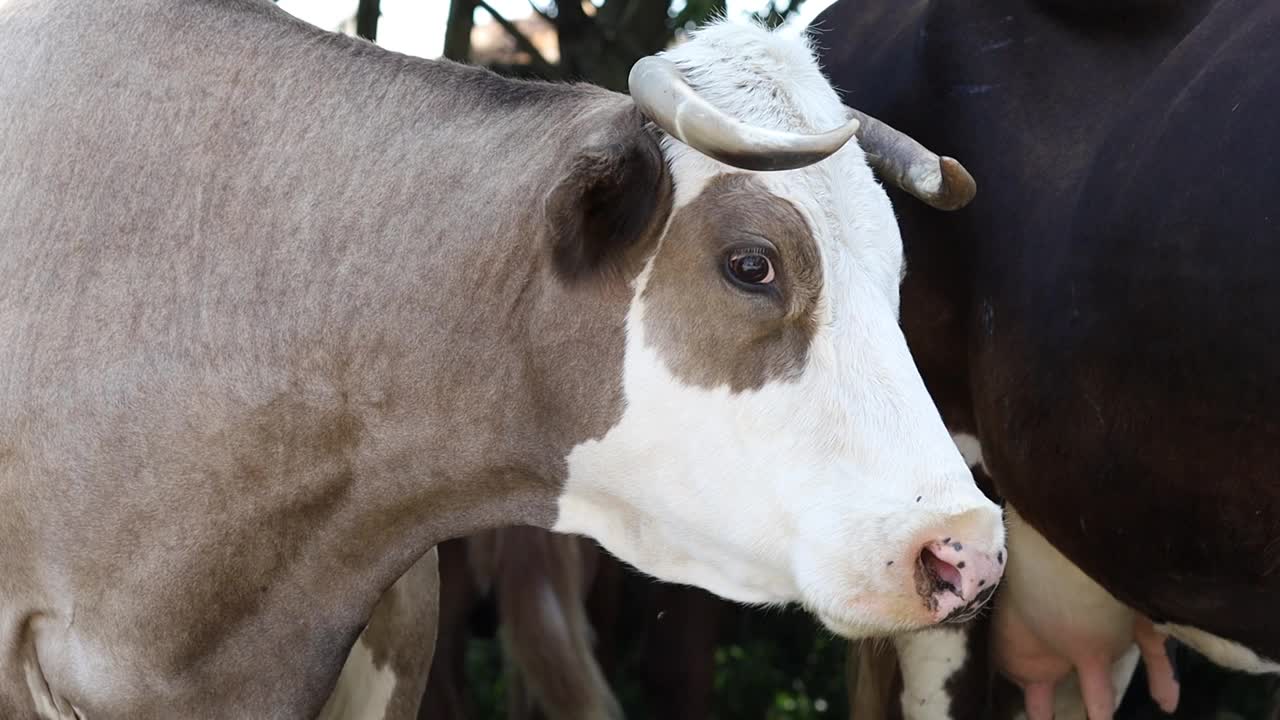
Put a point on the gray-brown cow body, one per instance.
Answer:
(249, 365)
(280, 311)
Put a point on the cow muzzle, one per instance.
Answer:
(956, 572)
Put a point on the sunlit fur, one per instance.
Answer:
(804, 490)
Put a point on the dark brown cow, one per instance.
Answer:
(1100, 325)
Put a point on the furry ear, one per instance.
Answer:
(610, 203)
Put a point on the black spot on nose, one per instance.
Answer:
(1000, 556)
(958, 547)
(960, 564)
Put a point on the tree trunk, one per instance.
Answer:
(367, 19)
(601, 49)
(774, 16)
(457, 33)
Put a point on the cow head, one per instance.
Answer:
(776, 442)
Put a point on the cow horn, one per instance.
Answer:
(665, 97)
(939, 181)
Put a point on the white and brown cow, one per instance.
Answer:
(281, 310)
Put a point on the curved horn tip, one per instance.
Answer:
(958, 186)
(647, 64)
(851, 126)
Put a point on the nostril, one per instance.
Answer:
(942, 574)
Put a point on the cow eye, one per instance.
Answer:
(750, 267)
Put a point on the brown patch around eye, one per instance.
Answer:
(710, 328)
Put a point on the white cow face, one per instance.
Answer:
(777, 442)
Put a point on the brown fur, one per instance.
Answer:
(711, 337)
(445, 696)
(551, 672)
(873, 680)
(401, 635)
(1116, 352)
(611, 204)
(681, 629)
(542, 581)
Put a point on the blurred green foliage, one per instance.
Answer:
(487, 683)
(781, 663)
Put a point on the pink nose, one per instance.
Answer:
(955, 580)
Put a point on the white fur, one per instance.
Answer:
(928, 659)
(1221, 651)
(364, 690)
(46, 706)
(807, 488)
(970, 449)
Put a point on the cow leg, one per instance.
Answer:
(873, 680)
(446, 694)
(1161, 682)
(679, 658)
(944, 672)
(544, 627)
(604, 607)
(386, 670)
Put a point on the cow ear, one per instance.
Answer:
(611, 202)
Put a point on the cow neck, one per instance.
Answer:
(465, 368)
